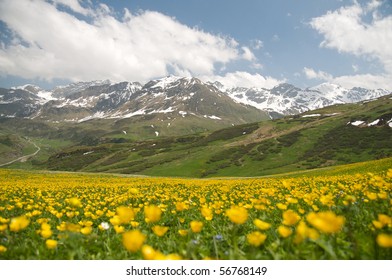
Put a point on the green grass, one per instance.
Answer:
(187, 147)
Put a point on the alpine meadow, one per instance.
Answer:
(142, 130)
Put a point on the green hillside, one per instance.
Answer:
(317, 139)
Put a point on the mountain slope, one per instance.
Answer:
(287, 99)
(83, 101)
(171, 96)
(325, 137)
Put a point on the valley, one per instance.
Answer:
(192, 141)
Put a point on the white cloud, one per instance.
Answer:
(364, 80)
(244, 79)
(248, 54)
(51, 43)
(348, 31)
(74, 5)
(349, 81)
(320, 75)
(257, 44)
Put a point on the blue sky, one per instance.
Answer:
(244, 43)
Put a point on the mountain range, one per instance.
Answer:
(172, 96)
(179, 126)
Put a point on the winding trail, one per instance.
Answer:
(24, 158)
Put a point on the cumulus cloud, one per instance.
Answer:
(365, 80)
(50, 42)
(74, 5)
(248, 54)
(348, 30)
(244, 79)
(320, 75)
(369, 81)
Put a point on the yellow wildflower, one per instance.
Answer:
(377, 224)
(51, 244)
(160, 230)
(256, 238)
(134, 224)
(148, 252)
(281, 206)
(3, 249)
(384, 240)
(3, 227)
(72, 227)
(207, 213)
(237, 215)
(19, 223)
(181, 206)
(173, 257)
(86, 230)
(385, 220)
(371, 195)
(261, 224)
(46, 232)
(290, 218)
(75, 202)
(303, 231)
(115, 220)
(133, 240)
(125, 214)
(196, 226)
(183, 232)
(284, 231)
(119, 229)
(326, 222)
(152, 213)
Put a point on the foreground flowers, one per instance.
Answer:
(73, 216)
(237, 215)
(133, 240)
(19, 223)
(327, 222)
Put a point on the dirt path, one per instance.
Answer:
(24, 158)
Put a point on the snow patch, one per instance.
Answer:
(136, 113)
(164, 111)
(311, 115)
(87, 153)
(374, 123)
(182, 113)
(124, 132)
(212, 117)
(357, 123)
(97, 115)
(165, 82)
(332, 114)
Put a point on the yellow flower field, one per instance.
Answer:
(87, 216)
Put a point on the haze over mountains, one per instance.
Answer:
(180, 96)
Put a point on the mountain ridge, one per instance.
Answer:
(172, 94)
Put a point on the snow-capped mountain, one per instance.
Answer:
(83, 101)
(183, 96)
(287, 99)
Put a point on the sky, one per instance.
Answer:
(250, 43)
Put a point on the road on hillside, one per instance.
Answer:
(24, 158)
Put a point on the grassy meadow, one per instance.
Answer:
(336, 213)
